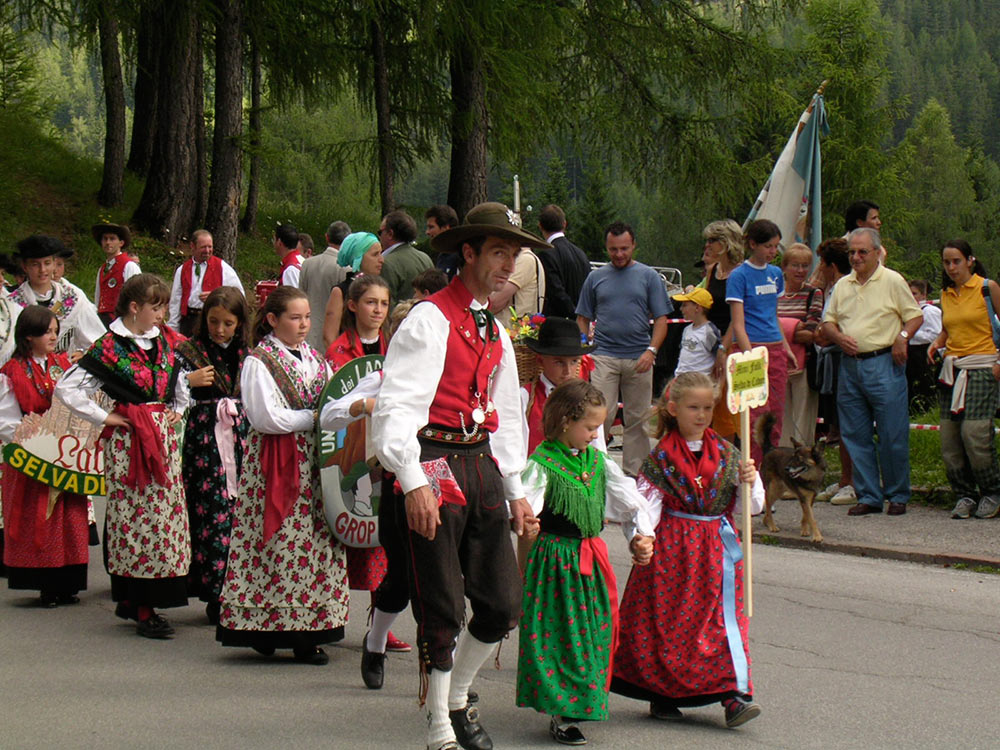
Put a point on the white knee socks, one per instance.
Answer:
(439, 728)
(379, 632)
(469, 657)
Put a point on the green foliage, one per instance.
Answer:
(843, 41)
(935, 179)
(18, 72)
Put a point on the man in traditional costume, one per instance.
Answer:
(447, 424)
(194, 280)
(116, 270)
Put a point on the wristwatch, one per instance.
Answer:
(904, 334)
(651, 349)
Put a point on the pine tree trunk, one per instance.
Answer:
(112, 190)
(201, 201)
(168, 208)
(146, 75)
(383, 123)
(227, 155)
(469, 123)
(249, 221)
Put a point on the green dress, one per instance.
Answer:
(566, 622)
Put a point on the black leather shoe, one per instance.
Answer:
(126, 611)
(567, 734)
(315, 656)
(664, 711)
(48, 601)
(68, 599)
(372, 666)
(154, 626)
(468, 731)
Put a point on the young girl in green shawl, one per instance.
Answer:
(569, 619)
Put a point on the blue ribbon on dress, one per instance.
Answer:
(732, 553)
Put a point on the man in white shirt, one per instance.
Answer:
(448, 411)
(198, 276)
(286, 244)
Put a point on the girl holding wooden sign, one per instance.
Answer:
(684, 635)
(46, 548)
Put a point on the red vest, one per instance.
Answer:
(293, 258)
(468, 363)
(110, 283)
(212, 280)
(536, 405)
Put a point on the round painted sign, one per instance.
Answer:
(351, 487)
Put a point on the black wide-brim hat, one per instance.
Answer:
(559, 337)
(489, 220)
(39, 246)
(99, 230)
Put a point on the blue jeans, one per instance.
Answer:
(874, 390)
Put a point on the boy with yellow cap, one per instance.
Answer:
(700, 340)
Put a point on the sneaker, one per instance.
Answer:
(392, 643)
(844, 496)
(964, 508)
(989, 506)
(739, 711)
(829, 492)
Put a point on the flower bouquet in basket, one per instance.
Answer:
(522, 328)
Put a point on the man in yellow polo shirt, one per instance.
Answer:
(871, 317)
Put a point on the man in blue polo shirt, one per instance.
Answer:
(622, 296)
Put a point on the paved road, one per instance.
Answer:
(847, 652)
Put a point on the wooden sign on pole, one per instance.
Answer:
(746, 377)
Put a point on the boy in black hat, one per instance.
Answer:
(79, 326)
(116, 270)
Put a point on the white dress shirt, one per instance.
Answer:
(77, 385)
(266, 409)
(931, 326)
(291, 276)
(624, 503)
(414, 364)
(336, 414)
(229, 278)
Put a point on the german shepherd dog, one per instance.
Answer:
(794, 473)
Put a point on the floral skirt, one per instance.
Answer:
(208, 501)
(565, 634)
(296, 582)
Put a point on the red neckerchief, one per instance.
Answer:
(687, 475)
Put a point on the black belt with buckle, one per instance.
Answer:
(869, 355)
